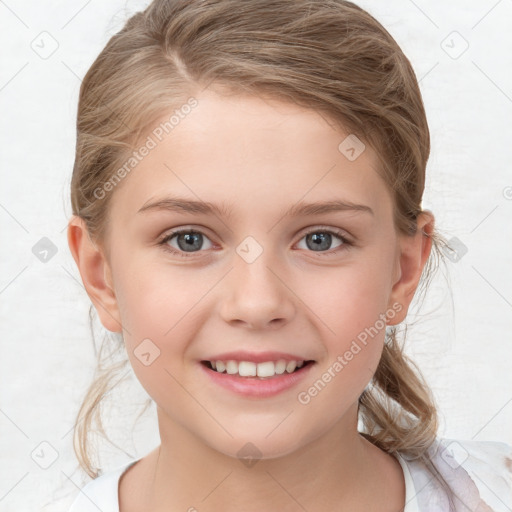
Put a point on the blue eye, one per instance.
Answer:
(191, 239)
(321, 238)
(316, 240)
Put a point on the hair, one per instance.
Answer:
(330, 56)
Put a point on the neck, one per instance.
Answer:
(340, 470)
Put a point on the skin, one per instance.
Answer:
(259, 156)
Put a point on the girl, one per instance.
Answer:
(247, 216)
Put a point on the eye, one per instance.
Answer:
(318, 239)
(187, 239)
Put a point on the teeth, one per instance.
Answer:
(246, 369)
(291, 366)
(231, 367)
(250, 369)
(280, 366)
(265, 369)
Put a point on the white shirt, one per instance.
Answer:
(478, 474)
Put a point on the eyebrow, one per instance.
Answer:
(183, 205)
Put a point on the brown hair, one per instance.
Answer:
(330, 56)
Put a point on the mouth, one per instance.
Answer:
(263, 370)
(253, 380)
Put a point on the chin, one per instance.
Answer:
(256, 443)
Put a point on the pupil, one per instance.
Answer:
(190, 240)
(319, 239)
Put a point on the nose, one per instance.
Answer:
(256, 296)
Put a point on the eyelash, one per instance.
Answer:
(344, 246)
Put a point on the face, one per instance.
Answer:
(248, 281)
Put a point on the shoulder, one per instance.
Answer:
(100, 493)
(474, 475)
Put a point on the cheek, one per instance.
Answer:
(350, 308)
(158, 307)
(157, 300)
(351, 299)
(352, 355)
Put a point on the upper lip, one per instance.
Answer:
(256, 357)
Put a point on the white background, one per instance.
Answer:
(47, 358)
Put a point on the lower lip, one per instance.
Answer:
(257, 387)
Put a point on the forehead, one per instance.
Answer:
(244, 151)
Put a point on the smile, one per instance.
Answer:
(250, 369)
(256, 380)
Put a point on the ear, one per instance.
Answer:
(413, 254)
(95, 272)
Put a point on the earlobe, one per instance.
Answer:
(413, 255)
(95, 273)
